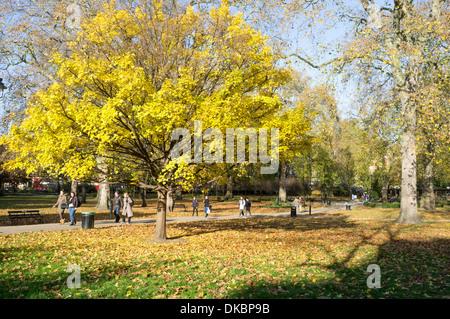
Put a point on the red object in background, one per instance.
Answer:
(96, 186)
(37, 185)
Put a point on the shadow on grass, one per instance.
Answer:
(408, 270)
(260, 223)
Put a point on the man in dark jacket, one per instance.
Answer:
(117, 205)
(206, 202)
(248, 204)
(194, 206)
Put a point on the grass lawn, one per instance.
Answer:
(271, 257)
(387, 213)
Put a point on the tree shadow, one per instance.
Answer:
(408, 269)
(259, 223)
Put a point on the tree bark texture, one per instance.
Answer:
(160, 226)
(427, 201)
(282, 186)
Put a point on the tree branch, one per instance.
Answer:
(310, 63)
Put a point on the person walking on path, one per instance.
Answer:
(127, 210)
(241, 206)
(194, 206)
(117, 205)
(73, 204)
(62, 205)
(206, 204)
(248, 204)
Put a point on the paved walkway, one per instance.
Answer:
(7, 230)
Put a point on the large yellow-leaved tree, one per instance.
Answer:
(134, 76)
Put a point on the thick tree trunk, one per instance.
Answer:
(160, 227)
(408, 205)
(143, 197)
(169, 200)
(103, 192)
(144, 192)
(427, 201)
(74, 186)
(103, 200)
(282, 185)
(83, 192)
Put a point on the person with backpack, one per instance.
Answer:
(117, 205)
(206, 206)
(127, 211)
(194, 206)
(74, 203)
(248, 204)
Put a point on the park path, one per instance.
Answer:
(7, 230)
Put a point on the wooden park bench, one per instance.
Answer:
(16, 215)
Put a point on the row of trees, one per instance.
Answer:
(97, 89)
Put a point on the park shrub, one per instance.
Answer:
(382, 205)
(390, 205)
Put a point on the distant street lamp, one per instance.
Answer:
(2, 86)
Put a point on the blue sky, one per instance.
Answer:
(327, 35)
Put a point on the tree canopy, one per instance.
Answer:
(134, 76)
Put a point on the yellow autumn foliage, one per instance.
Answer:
(132, 77)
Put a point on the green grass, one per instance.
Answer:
(397, 204)
(27, 202)
(245, 258)
(383, 205)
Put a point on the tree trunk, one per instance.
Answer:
(427, 201)
(143, 196)
(282, 185)
(408, 205)
(103, 195)
(74, 186)
(83, 192)
(160, 226)
(229, 194)
(169, 200)
(103, 192)
(385, 188)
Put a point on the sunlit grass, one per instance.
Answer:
(277, 257)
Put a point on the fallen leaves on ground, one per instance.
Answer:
(241, 258)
